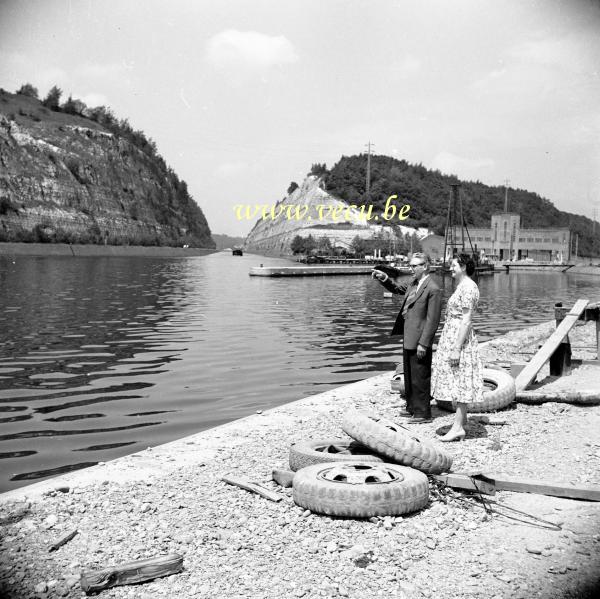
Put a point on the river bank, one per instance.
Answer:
(589, 269)
(66, 249)
(236, 544)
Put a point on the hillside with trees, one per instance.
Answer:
(81, 175)
(427, 192)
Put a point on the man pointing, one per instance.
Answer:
(417, 321)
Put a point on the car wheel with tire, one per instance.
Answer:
(360, 490)
(307, 453)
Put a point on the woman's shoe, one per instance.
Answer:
(447, 438)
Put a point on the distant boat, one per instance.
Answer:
(237, 251)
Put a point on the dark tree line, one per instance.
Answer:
(428, 191)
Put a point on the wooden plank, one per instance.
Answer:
(62, 541)
(131, 572)
(466, 482)
(544, 487)
(543, 355)
(252, 487)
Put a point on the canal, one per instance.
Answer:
(100, 357)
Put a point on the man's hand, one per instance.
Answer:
(379, 275)
(421, 351)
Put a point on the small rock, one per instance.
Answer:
(331, 547)
(71, 581)
(534, 549)
(41, 587)
(51, 520)
(306, 513)
(430, 543)
(343, 591)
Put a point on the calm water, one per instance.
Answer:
(100, 357)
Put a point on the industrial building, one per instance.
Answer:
(506, 240)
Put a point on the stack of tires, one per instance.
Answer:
(381, 471)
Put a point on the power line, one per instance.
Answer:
(368, 186)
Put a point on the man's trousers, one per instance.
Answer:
(417, 382)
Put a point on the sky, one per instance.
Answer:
(243, 97)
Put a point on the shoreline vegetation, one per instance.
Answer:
(171, 499)
(66, 249)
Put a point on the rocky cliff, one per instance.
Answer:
(66, 178)
(310, 210)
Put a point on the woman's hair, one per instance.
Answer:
(466, 261)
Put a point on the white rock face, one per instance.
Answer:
(310, 210)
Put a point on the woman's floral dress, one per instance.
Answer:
(462, 383)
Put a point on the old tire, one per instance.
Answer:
(308, 453)
(360, 490)
(396, 442)
(397, 384)
(500, 392)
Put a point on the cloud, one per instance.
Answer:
(115, 70)
(91, 100)
(232, 49)
(570, 54)
(230, 169)
(408, 65)
(458, 165)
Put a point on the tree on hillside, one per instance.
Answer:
(28, 90)
(72, 106)
(103, 116)
(52, 100)
(318, 169)
(324, 245)
(297, 245)
(292, 188)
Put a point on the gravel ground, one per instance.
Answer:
(236, 544)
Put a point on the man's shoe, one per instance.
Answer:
(419, 420)
(405, 414)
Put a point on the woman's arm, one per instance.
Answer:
(463, 331)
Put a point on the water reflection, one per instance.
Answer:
(105, 356)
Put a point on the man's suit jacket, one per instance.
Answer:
(423, 312)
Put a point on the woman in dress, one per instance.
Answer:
(456, 369)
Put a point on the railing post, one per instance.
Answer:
(560, 360)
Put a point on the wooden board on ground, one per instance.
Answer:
(252, 487)
(543, 355)
(466, 482)
(489, 483)
(141, 570)
(543, 487)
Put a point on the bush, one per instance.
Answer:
(28, 90)
(6, 205)
(52, 100)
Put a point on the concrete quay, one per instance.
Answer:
(309, 271)
(65, 249)
(235, 544)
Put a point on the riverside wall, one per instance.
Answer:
(65, 249)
